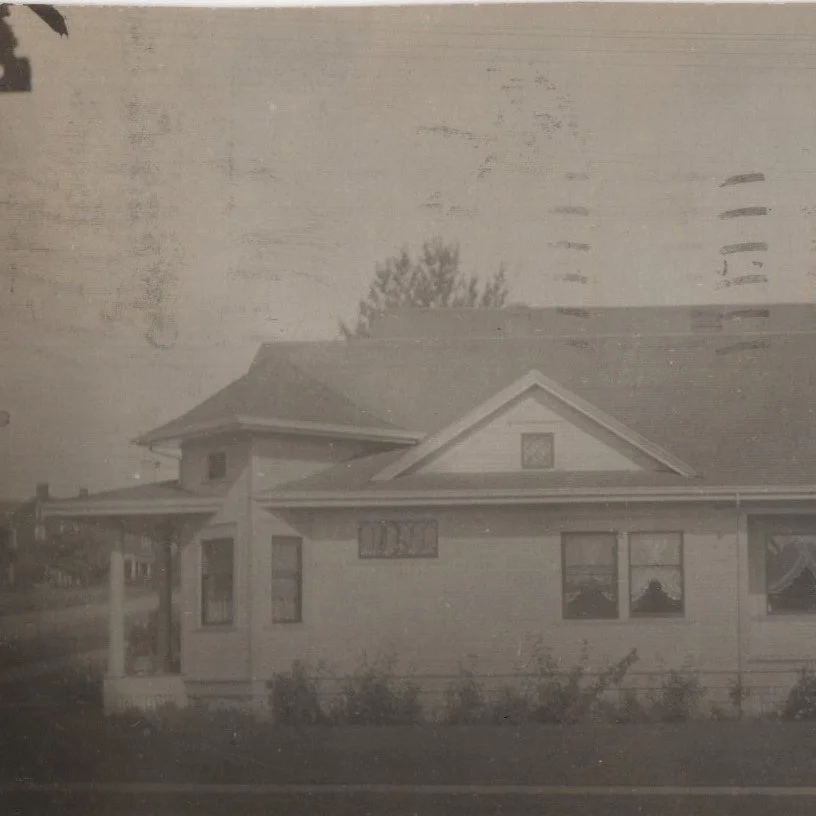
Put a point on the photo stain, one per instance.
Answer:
(744, 280)
(744, 211)
(747, 345)
(571, 245)
(572, 312)
(571, 210)
(743, 178)
(747, 246)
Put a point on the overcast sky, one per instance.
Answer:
(214, 177)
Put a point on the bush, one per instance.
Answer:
(464, 700)
(372, 695)
(680, 697)
(294, 696)
(511, 706)
(568, 699)
(801, 701)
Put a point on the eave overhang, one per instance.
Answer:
(182, 506)
(738, 496)
(258, 425)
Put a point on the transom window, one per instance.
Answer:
(217, 586)
(655, 574)
(590, 575)
(287, 579)
(398, 539)
(790, 573)
(537, 451)
(216, 466)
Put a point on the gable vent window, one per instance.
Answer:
(537, 451)
(216, 466)
(398, 539)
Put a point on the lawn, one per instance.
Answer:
(75, 743)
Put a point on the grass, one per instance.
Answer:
(74, 742)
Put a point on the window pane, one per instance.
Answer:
(286, 579)
(217, 581)
(661, 549)
(537, 450)
(656, 574)
(590, 576)
(790, 572)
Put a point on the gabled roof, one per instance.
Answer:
(532, 380)
(275, 393)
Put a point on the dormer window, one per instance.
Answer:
(216, 466)
(537, 451)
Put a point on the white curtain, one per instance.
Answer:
(787, 558)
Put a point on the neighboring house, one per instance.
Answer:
(8, 544)
(64, 552)
(618, 478)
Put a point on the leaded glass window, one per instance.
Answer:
(286, 580)
(590, 575)
(655, 574)
(398, 539)
(537, 451)
(790, 573)
(217, 581)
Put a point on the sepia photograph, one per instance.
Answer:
(408, 410)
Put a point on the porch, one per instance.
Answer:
(144, 655)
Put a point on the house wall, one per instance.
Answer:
(495, 444)
(193, 467)
(494, 589)
(278, 458)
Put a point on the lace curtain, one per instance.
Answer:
(787, 558)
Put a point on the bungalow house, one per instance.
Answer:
(462, 485)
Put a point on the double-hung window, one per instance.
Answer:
(287, 579)
(655, 574)
(217, 582)
(590, 575)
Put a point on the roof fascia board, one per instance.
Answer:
(244, 423)
(133, 507)
(734, 495)
(533, 379)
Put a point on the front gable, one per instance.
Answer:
(535, 425)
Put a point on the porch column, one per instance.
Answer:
(164, 558)
(116, 619)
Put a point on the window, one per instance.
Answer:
(790, 573)
(216, 466)
(537, 451)
(398, 539)
(287, 580)
(216, 581)
(655, 574)
(590, 575)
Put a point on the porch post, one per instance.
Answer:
(164, 557)
(116, 619)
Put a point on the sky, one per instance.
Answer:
(181, 184)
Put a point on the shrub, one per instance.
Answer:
(628, 709)
(801, 701)
(737, 694)
(680, 696)
(294, 696)
(464, 700)
(372, 695)
(568, 699)
(511, 706)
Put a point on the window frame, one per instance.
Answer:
(681, 566)
(806, 614)
(221, 457)
(614, 536)
(220, 624)
(298, 575)
(528, 435)
(397, 557)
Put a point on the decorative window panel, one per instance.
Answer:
(398, 539)
(217, 587)
(216, 466)
(655, 574)
(590, 575)
(287, 579)
(790, 573)
(537, 451)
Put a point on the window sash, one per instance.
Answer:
(790, 574)
(287, 580)
(216, 466)
(656, 575)
(217, 581)
(589, 575)
(398, 539)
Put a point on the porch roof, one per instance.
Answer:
(154, 499)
